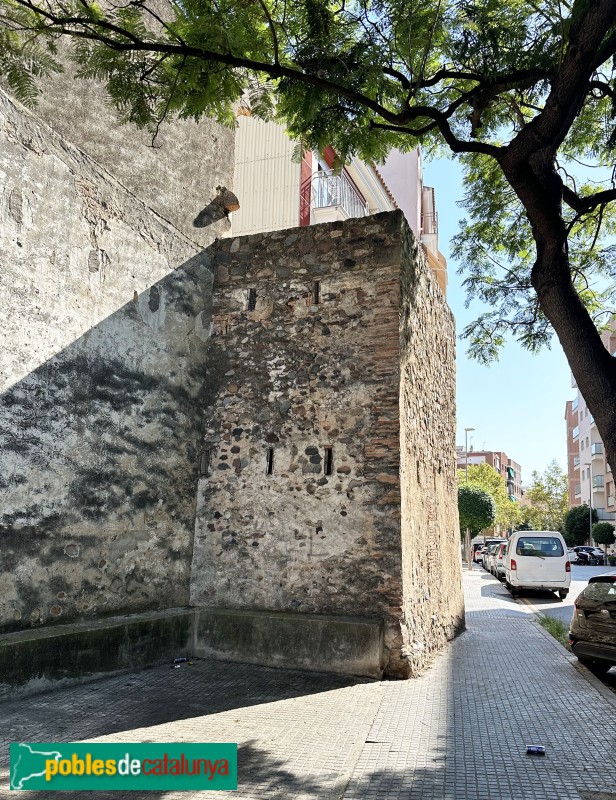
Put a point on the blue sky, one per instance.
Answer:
(516, 405)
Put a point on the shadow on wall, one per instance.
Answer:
(99, 449)
(218, 209)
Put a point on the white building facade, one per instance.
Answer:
(276, 190)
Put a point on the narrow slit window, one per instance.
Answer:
(205, 463)
(252, 299)
(269, 470)
(316, 293)
(329, 460)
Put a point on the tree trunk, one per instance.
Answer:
(593, 368)
(540, 189)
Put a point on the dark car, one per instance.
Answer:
(593, 628)
(590, 555)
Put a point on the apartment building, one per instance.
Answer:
(586, 460)
(509, 470)
(277, 190)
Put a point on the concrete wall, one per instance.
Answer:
(101, 369)
(292, 378)
(178, 176)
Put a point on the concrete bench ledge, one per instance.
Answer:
(347, 645)
(37, 658)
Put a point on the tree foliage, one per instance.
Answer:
(577, 525)
(523, 92)
(485, 477)
(603, 533)
(476, 510)
(548, 494)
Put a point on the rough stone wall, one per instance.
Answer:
(433, 601)
(103, 352)
(177, 177)
(288, 378)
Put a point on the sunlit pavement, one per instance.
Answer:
(547, 603)
(457, 732)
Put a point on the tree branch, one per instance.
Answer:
(273, 30)
(583, 205)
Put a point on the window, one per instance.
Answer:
(252, 299)
(329, 460)
(600, 591)
(269, 469)
(205, 463)
(581, 445)
(540, 546)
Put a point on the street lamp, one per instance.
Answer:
(467, 538)
(466, 432)
(590, 541)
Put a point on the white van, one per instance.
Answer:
(537, 560)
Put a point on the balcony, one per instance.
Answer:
(334, 197)
(576, 462)
(598, 482)
(596, 449)
(575, 432)
(575, 404)
(605, 516)
(578, 490)
(610, 499)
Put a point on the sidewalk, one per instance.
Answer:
(458, 732)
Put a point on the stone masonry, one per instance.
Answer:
(331, 346)
(262, 426)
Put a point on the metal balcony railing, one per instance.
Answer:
(429, 223)
(337, 190)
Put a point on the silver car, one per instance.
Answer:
(489, 558)
(499, 568)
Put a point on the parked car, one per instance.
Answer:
(590, 555)
(488, 561)
(593, 628)
(499, 567)
(537, 560)
(573, 556)
(477, 546)
(483, 551)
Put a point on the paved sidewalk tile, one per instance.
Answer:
(461, 730)
(458, 732)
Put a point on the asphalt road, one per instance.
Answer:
(549, 604)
